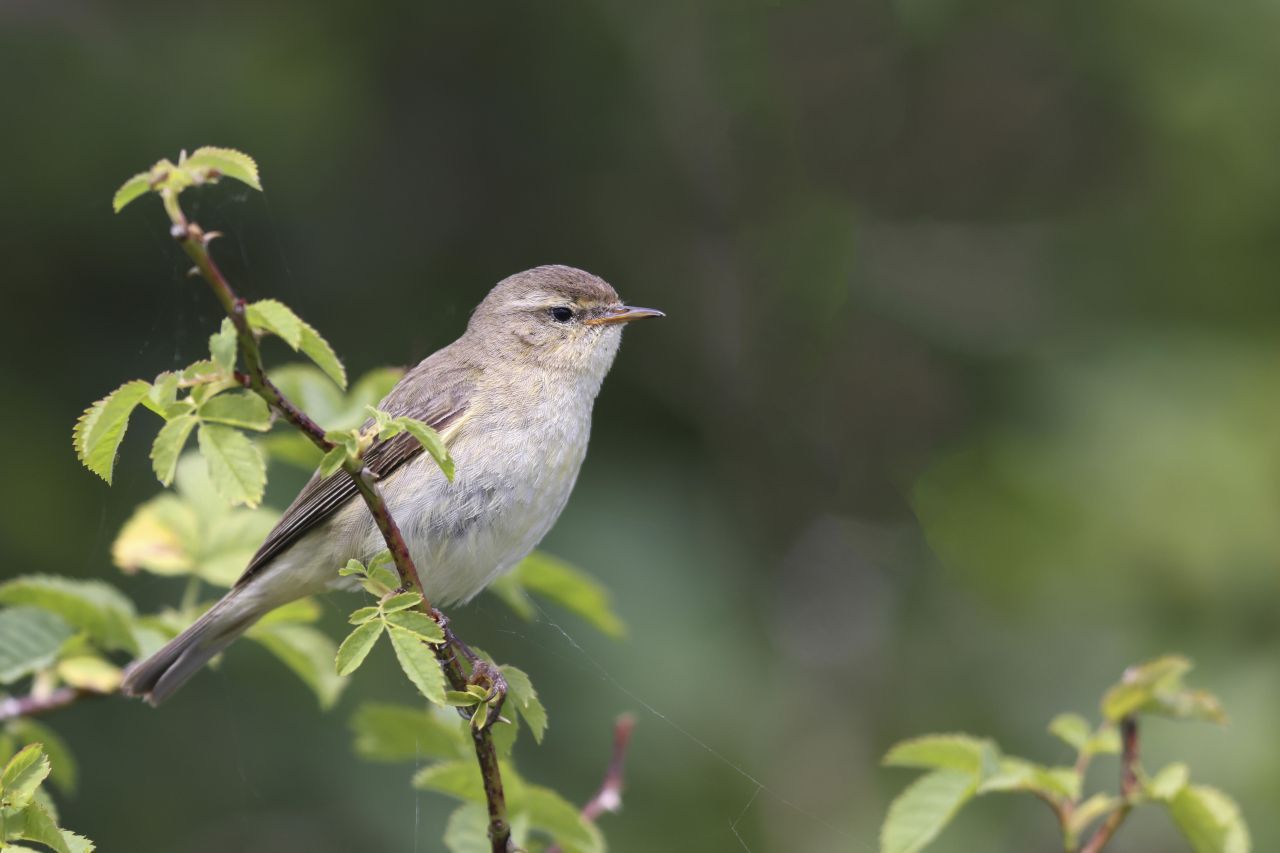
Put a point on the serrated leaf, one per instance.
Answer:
(552, 814)
(225, 161)
(92, 606)
(99, 431)
(222, 346)
(571, 588)
(419, 624)
(352, 568)
(332, 461)
(1209, 820)
(1168, 782)
(138, 185)
(64, 770)
(1072, 729)
(33, 823)
(168, 446)
(29, 641)
(306, 651)
(1017, 774)
(90, 672)
(163, 395)
(236, 467)
(386, 732)
(468, 830)
(418, 663)
(949, 751)
(362, 615)
(318, 350)
(431, 442)
(1156, 687)
(243, 409)
(401, 601)
(520, 693)
(271, 315)
(922, 811)
(460, 778)
(356, 647)
(193, 531)
(22, 775)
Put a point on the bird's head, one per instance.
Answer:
(557, 317)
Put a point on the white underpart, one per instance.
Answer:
(516, 467)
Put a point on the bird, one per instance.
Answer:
(511, 399)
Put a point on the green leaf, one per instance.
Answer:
(236, 467)
(301, 610)
(29, 641)
(33, 823)
(950, 752)
(99, 431)
(513, 595)
(318, 350)
(356, 647)
(168, 447)
(353, 568)
(224, 161)
(271, 315)
(402, 601)
(420, 625)
(1156, 687)
(521, 693)
(1072, 729)
(243, 409)
(1169, 782)
(222, 345)
(27, 731)
(431, 442)
(418, 663)
(90, 672)
(193, 531)
(572, 589)
(22, 775)
(923, 810)
(138, 185)
(306, 651)
(332, 461)
(163, 395)
(551, 813)
(1017, 774)
(1209, 820)
(92, 606)
(460, 778)
(397, 733)
(468, 830)
(363, 615)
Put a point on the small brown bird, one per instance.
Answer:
(511, 399)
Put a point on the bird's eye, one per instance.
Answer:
(561, 314)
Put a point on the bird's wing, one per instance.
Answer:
(321, 497)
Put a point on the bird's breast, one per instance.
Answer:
(515, 470)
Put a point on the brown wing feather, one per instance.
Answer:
(320, 498)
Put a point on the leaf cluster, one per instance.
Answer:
(27, 814)
(961, 767)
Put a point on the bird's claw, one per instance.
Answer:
(485, 674)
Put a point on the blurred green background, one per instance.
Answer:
(965, 400)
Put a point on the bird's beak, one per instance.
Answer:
(623, 314)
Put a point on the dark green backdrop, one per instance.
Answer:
(965, 400)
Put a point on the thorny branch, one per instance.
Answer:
(195, 242)
(1129, 787)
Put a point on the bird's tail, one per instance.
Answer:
(159, 676)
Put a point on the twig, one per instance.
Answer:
(195, 243)
(1129, 787)
(33, 705)
(609, 797)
